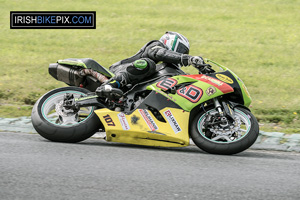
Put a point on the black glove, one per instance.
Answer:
(195, 61)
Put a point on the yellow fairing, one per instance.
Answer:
(142, 128)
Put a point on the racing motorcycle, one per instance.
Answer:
(166, 109)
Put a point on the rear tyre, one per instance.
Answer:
(53, 122)
(243, 133)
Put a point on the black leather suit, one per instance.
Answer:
(153, 52)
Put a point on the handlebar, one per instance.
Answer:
(204, 68)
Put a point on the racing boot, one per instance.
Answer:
(110, 90)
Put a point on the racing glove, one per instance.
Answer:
(195, 61)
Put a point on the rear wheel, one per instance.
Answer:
(212, 135)
(52, 121)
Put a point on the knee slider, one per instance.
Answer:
(144, 63)
(140, 64)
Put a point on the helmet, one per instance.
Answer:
(175, 42)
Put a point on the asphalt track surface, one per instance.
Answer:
(34, 168)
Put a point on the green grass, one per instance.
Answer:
(259, 40)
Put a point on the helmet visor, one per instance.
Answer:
(181, 48)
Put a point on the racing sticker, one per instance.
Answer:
(212, 80)
(148, 119)
(166, 84)
(109, 120)
(211, 90)
(124, 122)
(246, 91)
(191, 93)
(172, 121)
(224, 78)
(222, 86)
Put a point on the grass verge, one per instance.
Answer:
(258, 40)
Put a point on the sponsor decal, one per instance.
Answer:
(224, 78)
(191, 93)
(172, 121)
(211, 90)
(148, 119)
(109, 120)
(166, 84)
(124, 122)
(215, 81)
(246, 91)
(222, 86)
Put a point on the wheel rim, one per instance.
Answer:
(53, 111)
(239, 129)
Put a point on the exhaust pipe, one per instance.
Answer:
(67, 74)
(73, 75)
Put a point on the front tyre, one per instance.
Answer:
(52, 121)
(231, 138)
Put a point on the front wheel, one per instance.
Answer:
(224, 137)
(52, 121)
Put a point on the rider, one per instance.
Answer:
(172, 47)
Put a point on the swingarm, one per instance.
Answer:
(84, 101)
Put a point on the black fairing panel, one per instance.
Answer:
(153, 100)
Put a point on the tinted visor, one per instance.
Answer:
(181, 48)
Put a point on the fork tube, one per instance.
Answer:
(218, 106)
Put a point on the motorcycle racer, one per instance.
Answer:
(172, 47)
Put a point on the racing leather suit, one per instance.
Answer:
(152, 52)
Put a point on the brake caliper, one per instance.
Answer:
(66, 110)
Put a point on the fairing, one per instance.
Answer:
(143, 128)
(173, 98)
(189, 91)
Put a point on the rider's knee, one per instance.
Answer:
(141, 66)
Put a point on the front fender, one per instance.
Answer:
(237, 105)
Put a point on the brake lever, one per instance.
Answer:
(205, 68)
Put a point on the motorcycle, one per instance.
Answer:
(165, 110)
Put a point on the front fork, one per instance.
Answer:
(218, 106)
(224, 109)
(223, 119)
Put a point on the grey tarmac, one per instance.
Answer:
(34, 168)
(265, 141)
